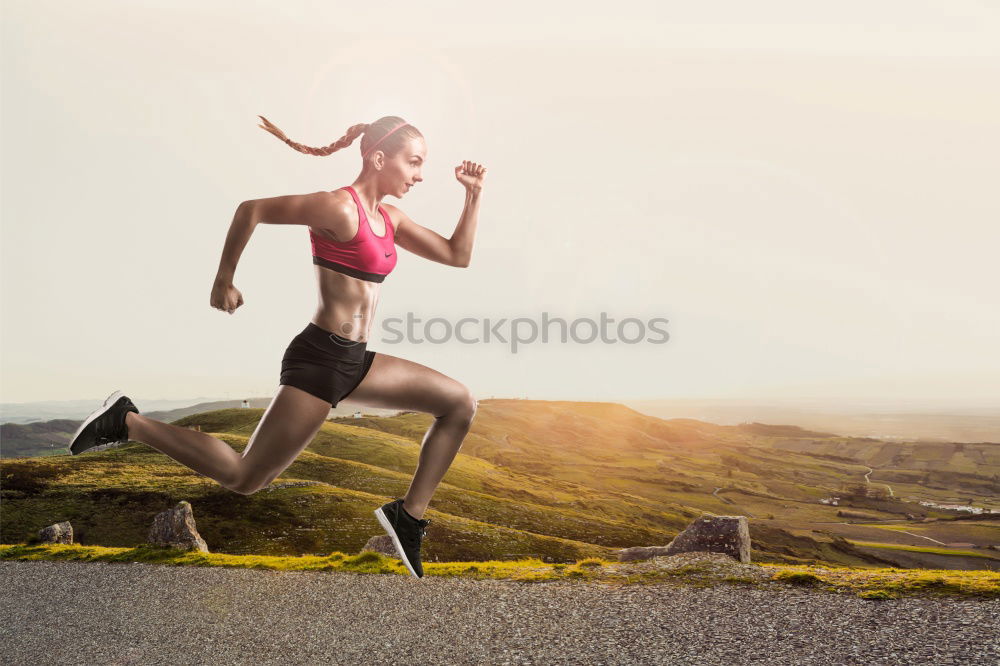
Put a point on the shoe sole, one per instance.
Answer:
(387, 526)
(105, 406)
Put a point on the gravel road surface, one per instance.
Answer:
(127, 613)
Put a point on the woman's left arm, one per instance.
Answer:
(454, 251)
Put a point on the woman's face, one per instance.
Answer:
(403, 170)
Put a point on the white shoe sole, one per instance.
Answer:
(108, 402)
(386, 525)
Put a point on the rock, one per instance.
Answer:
(729, 535)
(696, 567)
(56, 533)
(175, 528)
(640, 553)
(381, 544)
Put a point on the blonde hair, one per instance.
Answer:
(371, 134)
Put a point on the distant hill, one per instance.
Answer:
(933, 421)
(552, 479)
(50, 410)
(52, 437)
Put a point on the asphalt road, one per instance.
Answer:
(110, 613)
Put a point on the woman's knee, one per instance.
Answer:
(247, 482)
(462, 405)
(245, 487)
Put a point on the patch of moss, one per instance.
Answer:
(798, 578)
(876, 595)
(869, 583)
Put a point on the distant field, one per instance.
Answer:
(926, 549)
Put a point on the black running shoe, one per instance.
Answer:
(106, 426)
(406, 532)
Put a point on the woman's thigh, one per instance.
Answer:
(288, 426)
(395, 383)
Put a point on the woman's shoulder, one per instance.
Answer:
(395, 214)
(340, 219)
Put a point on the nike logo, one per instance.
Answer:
(389, 255)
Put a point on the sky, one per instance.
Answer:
(804, 191)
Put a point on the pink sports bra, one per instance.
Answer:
(366, 256)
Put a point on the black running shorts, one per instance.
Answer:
(325, 364)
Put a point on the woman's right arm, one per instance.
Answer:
(225, 296)
(239, 234)
(316, 209)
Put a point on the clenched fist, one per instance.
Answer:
(471, 175)
(225, 296)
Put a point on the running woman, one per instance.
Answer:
(354, 237)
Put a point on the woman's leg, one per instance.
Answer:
(291, 421)
(395, 383)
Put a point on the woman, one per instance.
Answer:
(353, 238)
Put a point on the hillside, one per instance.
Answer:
(554, 479)
(52, 436)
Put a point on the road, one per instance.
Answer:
(126, 613)
(729, 501)
(868, 481)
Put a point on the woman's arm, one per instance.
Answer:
(225, 296)
(465, 233)
(316, 210)
(309, 209)
(426, 243)
(239, 234)
(457, 250)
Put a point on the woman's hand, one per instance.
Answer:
(225, 296)
(471, 175)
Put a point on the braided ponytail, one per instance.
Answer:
(381, 133)
(352, 133)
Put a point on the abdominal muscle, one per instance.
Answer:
(346, 304)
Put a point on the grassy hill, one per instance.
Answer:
(556, 480)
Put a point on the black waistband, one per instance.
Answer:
(348, 270)
(330, 341)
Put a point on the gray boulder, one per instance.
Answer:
(381, 544)
(175, 528)
(729, 535)
(640, 553)
(56, 533)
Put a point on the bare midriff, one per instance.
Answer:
(346, 304)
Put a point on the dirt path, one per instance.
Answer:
(868, 481)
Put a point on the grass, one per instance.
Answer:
(555, 480)
(892, 583)
(868, 583)
(924, 549)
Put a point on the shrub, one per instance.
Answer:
(589, 562)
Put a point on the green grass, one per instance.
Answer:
(557, 480)
(869, 583)
(890, 583)
(924, 549)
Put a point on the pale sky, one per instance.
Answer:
(805, 190)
